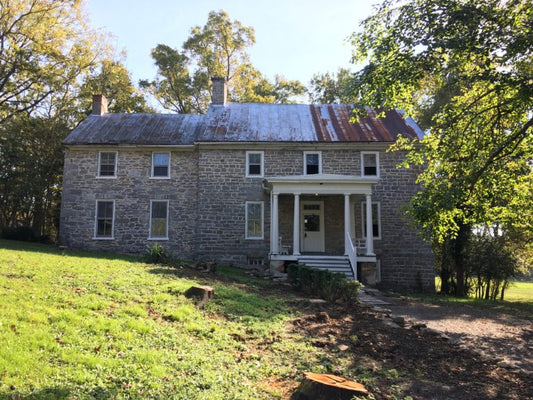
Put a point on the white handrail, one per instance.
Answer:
(352, 254)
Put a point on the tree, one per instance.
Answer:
(332, 88)
(44, 44)
(113, 80)
(50, 65)
(218, 49)
(465, 69)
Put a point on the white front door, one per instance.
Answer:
(312, 226)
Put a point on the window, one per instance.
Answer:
(107, 163)
(312, 163)
(105, 210)
(376, 219)
(160, 165)
(254, 220)
(369, 163)
(254, 164)
(159, 219)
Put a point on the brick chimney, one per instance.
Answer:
(219, 91)
(99, 104)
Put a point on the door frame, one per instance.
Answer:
(322, 247)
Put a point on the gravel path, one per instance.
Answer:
(501, 338)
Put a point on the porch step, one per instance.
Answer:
(339, 264)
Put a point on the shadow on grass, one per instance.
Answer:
(46, 393)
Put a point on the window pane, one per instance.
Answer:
(104, 218)
(312, 162)
(254, 169)
(370, 164)
(254, 220)
(159, 209)
(158, 225)
(161, 164)
(107, 164)
(312, 223)
(254, 158)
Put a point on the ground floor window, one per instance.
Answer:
(105, 213)
(254, 220)
(376, 219)
(159, 219)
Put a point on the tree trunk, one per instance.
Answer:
(460, 243)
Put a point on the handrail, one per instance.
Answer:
(352, 254)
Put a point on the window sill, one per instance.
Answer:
(158, 238)
(254, 238)
(159, 177)
(106, 177)
(254, 176)
(103, 238)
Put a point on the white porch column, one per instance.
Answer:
(369, 230)
(296, 226)
(274, 240)
(347, 219)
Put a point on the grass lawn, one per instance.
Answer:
(78, 325)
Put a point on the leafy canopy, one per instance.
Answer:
(465, 69)
(217, 49)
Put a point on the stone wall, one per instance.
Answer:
(207, 193)
(132, 191)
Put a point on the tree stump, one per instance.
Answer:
(327, 387)
(200, 294)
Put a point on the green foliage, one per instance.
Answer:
(156, 255)
(464, 69)
(328, 285)
(490, 266)
(332, 88)
(217, 49)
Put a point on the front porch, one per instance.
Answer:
(314, 217)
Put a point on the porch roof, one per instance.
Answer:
(320, 184)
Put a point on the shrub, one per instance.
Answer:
(156, 255)
(323, 283)
(22, 233)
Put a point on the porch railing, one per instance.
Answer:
(352, 254)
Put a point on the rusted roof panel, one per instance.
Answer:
(250, 122)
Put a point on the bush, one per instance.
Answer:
(22, 233)
(156, 255)
(323, 283)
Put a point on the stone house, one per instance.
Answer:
(253, 185)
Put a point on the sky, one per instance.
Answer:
(294, 38)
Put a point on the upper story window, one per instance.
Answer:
(105, 218)
(370, 163)
(254, 220)
(254, 164)
(312, 162)
(107, 164)
(160, 165)
(159, 219)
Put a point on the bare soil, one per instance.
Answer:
(437, 351)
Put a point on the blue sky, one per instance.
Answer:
(294, 38)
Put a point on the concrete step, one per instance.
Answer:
(336, 264)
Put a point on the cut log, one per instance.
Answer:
(200, 294)
(327, 387)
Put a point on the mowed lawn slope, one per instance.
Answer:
(80, 325)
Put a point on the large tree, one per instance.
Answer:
(465, 69)
(51, 63)
(217, 49)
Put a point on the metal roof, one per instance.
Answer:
(245, 122)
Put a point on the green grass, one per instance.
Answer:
(78, 326)
(518, 300)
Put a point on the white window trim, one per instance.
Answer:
(152, 176)
(95, 231)
(363, 219)
(262, 174)
(98, 166)
(319, 161)
(150, 237)
(376, 153)
(246, 236)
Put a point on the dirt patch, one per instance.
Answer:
(428, 355)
